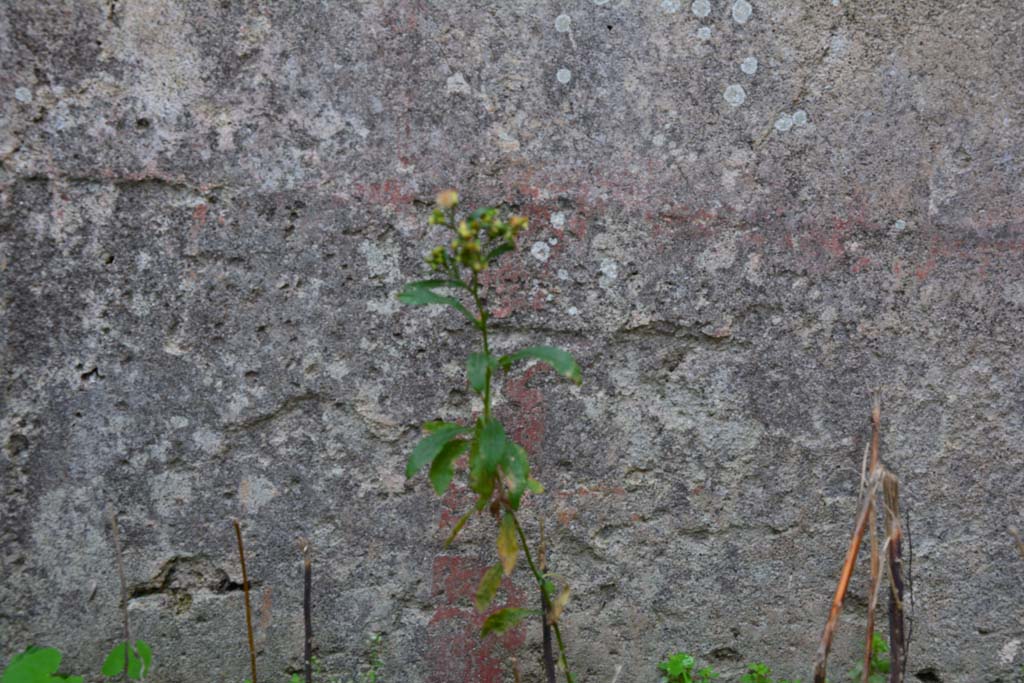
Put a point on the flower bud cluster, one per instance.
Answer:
(467, 247)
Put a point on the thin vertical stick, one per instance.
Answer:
(245, 591)
(307, 608)
(869, 637)
(894, 531)
(825, 645)
(124, 588)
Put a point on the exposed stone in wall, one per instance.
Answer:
(743, 216)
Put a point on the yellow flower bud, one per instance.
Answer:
(447, 199)
(465, 232)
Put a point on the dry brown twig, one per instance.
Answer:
(245, 592)
(875, 476)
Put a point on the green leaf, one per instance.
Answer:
(502, 248)
(504, 619)
(534, 485)
(114, 663)
(508, 545)
(442, 470)
(421, 293)
(517, 473)
(562, 361)
(34, 665)
(429, 447)
(493, 444)
(476, 369)
(488, 587)
(142, 647)
(486, 453)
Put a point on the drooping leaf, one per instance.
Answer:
(433, 425)
(421, 293)
(34, 665)
(517, 473)
(146, 654)
(429, 447)
(559, 359)
(442, 470)
(502, 248)
(557, 605)
(508, 544)
(488, 587)
(476, 369)
(504, 619)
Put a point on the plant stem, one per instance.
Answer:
(245, 591)
(475, 291)
(307, 609)
(545, 596)
(124, 589)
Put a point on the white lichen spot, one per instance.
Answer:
(563, 75)
(835, 3)
(599, 2)
(799, 117)
(23, 94)
(558, 219)
(658, 140)
(749, 65)
(899, 226)
(457, 84)
(563, 22)
(563, 274)
(784, 123)
(541, 251)
(704, 32)
(573, 311)
(552, 241)
(701, 8)
(735, 95)
(609, 273)
(1008, 652)
(670, 6)
(741, 11)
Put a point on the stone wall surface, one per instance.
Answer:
(207, 207)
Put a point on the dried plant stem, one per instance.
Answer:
(863, 516)
(124, 588)
(245, 592)
(875, 565)
(307, 608)
(894, 542)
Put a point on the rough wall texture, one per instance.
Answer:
(207, 207)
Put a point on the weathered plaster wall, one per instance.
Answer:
(207, 207)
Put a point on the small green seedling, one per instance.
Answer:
(679, 669)
(140, 661)
(36, 665)
(879, 671)
(760, 673)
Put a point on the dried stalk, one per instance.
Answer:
(245, 591)
(876, 419)
(124, 588)
(894, 532)
(825, 645)
(307, 608)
